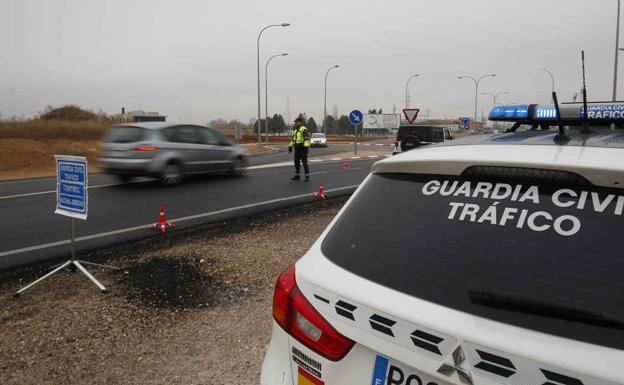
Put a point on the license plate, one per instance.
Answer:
(390, 372)
(116, 154)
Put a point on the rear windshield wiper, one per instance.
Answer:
(505, 300)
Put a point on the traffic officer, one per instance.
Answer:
(301, 142)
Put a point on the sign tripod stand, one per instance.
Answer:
(72, 199)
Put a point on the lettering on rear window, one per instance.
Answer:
(502, 212)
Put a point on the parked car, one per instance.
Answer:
(486, 260)
(318, 139)
(410, 137)
(169, 151)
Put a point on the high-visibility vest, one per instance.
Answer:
(300, 136)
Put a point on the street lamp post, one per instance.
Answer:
(476, 81)
(258, 68)
(325, 103)
(266, 95)
(407, 90)
(552, 81)
(495, 96)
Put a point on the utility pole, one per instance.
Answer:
(617, 48)
(288, 112)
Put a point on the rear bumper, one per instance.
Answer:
(128, 166)
(318, 144)
(276, 368)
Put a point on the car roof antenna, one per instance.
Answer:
(586, 129)
(562, 137)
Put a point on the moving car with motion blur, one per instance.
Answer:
(318, 139)
(169, 152)
(411, 137)
(493, 259)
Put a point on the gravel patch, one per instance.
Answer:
(193, 307)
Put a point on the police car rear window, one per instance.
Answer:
(440, 238)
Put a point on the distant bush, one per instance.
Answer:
(70, 113)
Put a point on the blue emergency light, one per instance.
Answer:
(509, 112)
(570, 113)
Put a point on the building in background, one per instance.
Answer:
(137, 116)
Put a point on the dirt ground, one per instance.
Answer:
(28, 158)
(193, 307)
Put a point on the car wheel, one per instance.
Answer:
(172, 174)
(239, 167)
(410, 142)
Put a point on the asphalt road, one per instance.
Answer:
(284, 156)
(37, 185)
(31, 232)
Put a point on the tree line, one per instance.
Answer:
(340, 126)
(278, 125)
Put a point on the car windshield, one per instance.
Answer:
(438, 237)
(121, 134)
(318, 136)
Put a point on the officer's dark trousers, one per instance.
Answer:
(301, 155)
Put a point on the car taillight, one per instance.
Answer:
(145, 148)
(293, 312)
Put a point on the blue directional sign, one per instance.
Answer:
(71, 186)
(355, 117)
(464, 123)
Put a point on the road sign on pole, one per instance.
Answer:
(71, 186)
(411, 114)
(355, 118)
(464, 123)
(71, 201)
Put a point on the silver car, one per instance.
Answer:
(169, 151)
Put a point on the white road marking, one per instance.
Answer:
(54, 191)
(282, 164)
(177, 220)
(318, 172)
(25, 180)
(259, 167)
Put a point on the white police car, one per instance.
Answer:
(487, 260)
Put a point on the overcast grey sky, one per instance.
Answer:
(195, 60)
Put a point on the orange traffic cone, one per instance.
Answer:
(321, 193)
(346, 166)
(162, 223)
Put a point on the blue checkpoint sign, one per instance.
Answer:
(464, 123)
(71, 186)
(355, 117)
